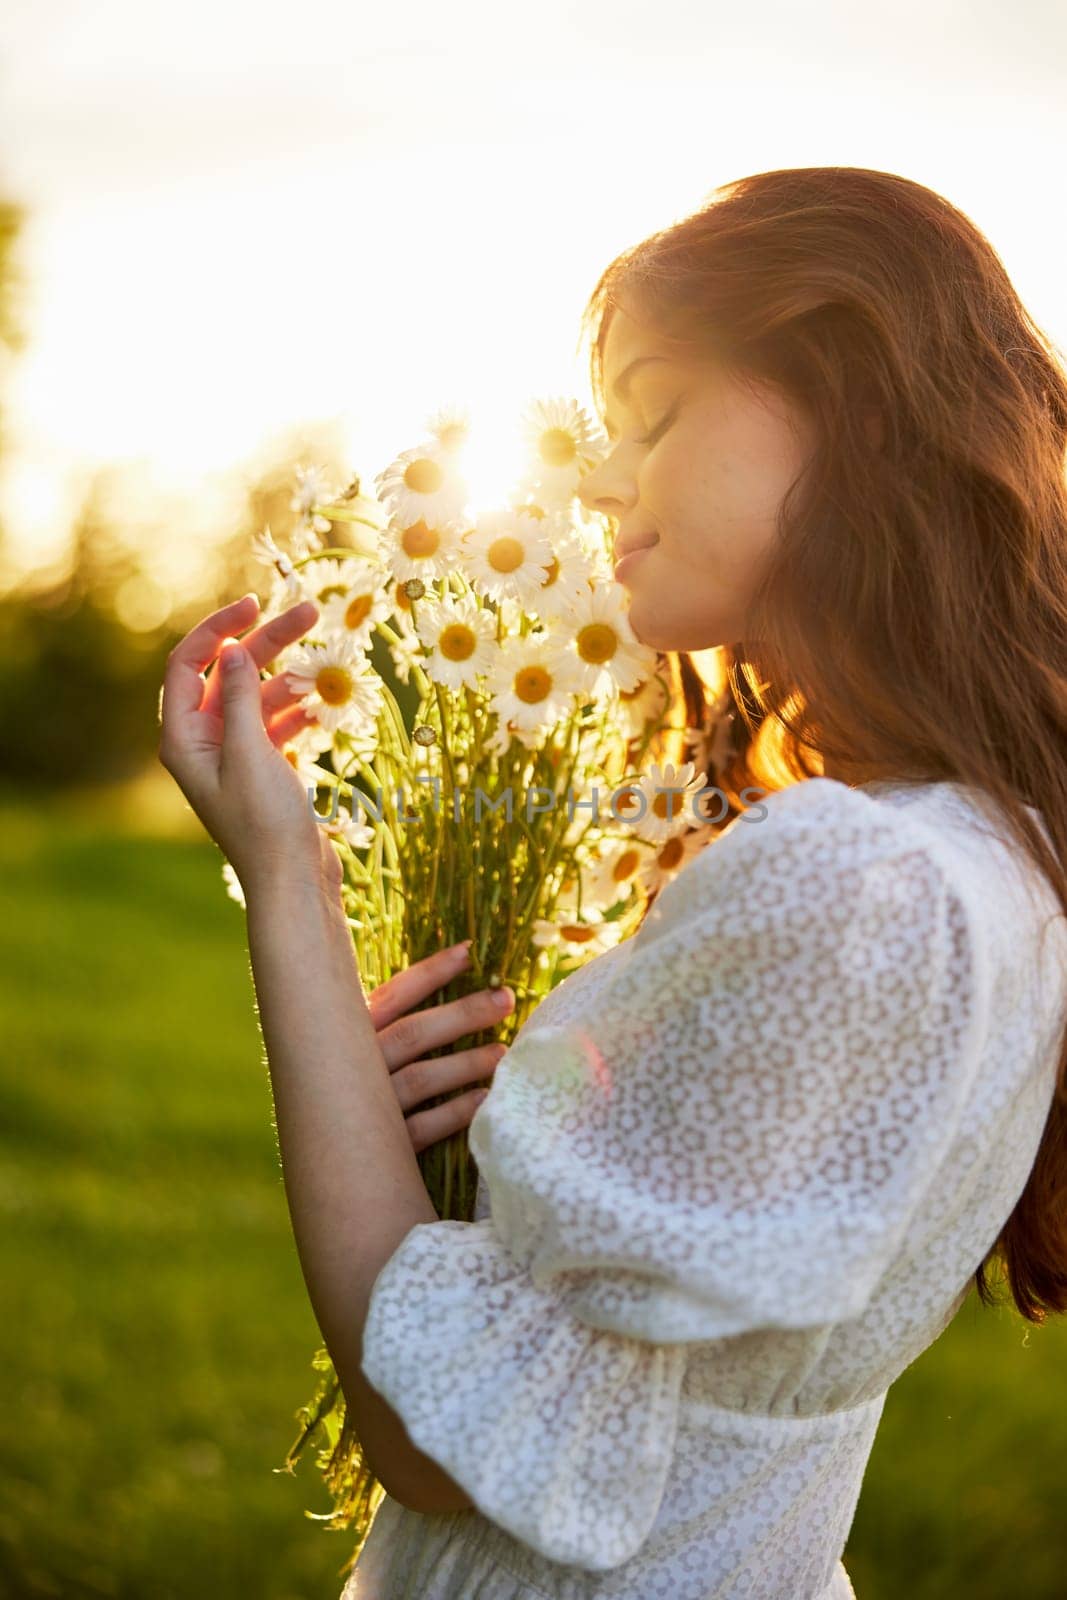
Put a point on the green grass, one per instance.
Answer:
(156, 1334)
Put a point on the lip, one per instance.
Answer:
(628, 547)
(627, 552)
(626, 561)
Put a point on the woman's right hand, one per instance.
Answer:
(405, 1034)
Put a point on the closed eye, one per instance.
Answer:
(648, 438)
(661, 427)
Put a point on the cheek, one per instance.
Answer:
(713, 508)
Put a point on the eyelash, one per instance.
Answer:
(660, 429)
(657, 432)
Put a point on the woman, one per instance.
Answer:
(742, 1169)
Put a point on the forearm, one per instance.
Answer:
(351, 1177)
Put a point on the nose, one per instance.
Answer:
(607, 490)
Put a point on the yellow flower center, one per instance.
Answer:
(290, 756)
(626, 866)
(400, 599)
(504, 555)
(452, 435)
(558, 448)
(659, 804)
(552, 573)
(423, 476)
(671, 854)
(457, 642)
(334, 685)
(328, 593)
(533, 684)
(576, 933)
(626, 800)
(358, 610)
(420, 541)
(597, 642)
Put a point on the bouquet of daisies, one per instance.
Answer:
(494, 789)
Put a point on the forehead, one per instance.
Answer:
(625, 341)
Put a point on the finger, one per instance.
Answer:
(413, 1034)
(422, 1080)
(267, 641)
(244, 731)
(439, 1122)
(183, 682)
(403, 991)
(276, 694)
(288, 723)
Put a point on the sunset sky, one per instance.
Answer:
(244, 217)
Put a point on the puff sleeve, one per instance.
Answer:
(734, 1130)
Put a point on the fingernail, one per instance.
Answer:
(505, 999)
(232, 655)
(483, 1094)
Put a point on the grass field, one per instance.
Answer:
(156, 1334)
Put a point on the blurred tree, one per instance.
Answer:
(12, 337)
(82, 654)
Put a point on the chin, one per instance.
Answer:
(678, 634)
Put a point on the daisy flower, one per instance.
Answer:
(302, 751)
(665, 862)
(499, 741)
(450, 425)
(532, 681)
(422, 486)
(589, 936)
(661, 801)
(462, 636)
(312, 491)
(563, 448)
(647, 703)
(284, 592)
(596, 537)
(354, 601)
(421, 549)
(566, 583)
(409, 648)
(506, 556)
(323, 577)
(344, 689)
(357, 833)
(233, 885)
(609, 655)
(511, 615)
(613, 875)
(288, 588)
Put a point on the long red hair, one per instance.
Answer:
(913, 622)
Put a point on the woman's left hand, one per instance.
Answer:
(221, 741)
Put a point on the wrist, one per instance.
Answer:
(286, 879)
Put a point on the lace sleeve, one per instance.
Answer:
(737, 1133)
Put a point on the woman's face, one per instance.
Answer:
(700, 495)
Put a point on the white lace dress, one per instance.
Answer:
(736, 1175)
